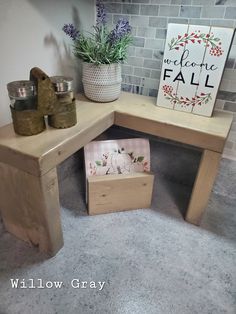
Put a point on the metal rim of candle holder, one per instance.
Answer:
(54, 95)
(21, 89)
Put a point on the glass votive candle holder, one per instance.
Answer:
(65, 115)
(63, 87)
(23, 95)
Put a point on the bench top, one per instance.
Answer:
(39, 153)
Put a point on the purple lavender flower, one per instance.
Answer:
(122, 28)
(101, 13)
(71, 31)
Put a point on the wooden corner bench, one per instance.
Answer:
(29, 198)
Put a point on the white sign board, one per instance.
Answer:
(193, 64)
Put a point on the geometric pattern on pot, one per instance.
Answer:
(102, 83)
(192, 67)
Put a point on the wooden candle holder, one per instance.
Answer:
(61, 113)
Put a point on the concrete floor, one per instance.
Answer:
(151, 260)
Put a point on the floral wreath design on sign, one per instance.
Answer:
(119, 162)
(203, 98)
(208, 40)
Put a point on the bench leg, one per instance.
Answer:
(30, 207)
(204, 181)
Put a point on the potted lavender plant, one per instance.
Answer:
(101, 53)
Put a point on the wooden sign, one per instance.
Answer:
(115, 158)
(112, 157)
(193, 64)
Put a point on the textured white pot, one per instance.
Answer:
(102, 83)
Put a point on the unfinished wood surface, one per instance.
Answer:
(39, 153)
(171, 132)
(207, 171)
(30, 207)
(29, 201)
(112, 193)
(144, 106)
(139, 113)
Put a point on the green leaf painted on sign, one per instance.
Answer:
(140, 158)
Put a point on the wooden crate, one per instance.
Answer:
(113, 193)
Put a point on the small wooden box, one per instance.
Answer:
(113, 193)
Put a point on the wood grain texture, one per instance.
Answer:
(29, 201)
(27, 122)
(112, 193)
(175, 133)
(39, 153)
(143, 107)
(30, 207)
(46, 98)
(204, 181)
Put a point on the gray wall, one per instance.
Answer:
(31, 35)
(149, 19)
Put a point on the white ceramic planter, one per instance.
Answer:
(102, 83)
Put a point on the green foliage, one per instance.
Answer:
(140, 158)
(98, 49)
